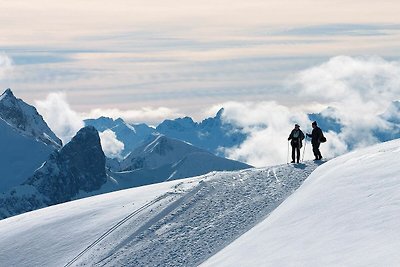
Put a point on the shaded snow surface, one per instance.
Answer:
(177, 223)
(20, 156)
(347, 213)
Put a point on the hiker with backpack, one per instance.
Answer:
(297, 137)
(317, 137)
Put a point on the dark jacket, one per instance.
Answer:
(296, 137)
(316, 135)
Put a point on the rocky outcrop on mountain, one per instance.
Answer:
(25, 118)
(78, 167)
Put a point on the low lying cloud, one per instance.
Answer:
(357, 91)
(58, 114)
(6, 65)
(145, 114)
(112, 147)
(267, 125)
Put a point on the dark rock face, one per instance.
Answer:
(26, 118)
(78, 166)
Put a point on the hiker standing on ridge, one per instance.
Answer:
(316, 137)
(297, 137)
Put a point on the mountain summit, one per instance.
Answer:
(25, 118)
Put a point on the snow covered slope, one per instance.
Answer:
(177, 223)
(25, 140)
(25, 118)
(20, 156)
(162, 158)
(346, 213)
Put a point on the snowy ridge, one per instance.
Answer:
(25, 118)
(347, 213)
(162, 158)
(177, 223)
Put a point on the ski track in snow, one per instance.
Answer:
(185, 227)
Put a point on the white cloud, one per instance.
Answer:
(357, 89)
(6, 65)
(56, 111)
(112, 147)
(145, 114)
(268, 125)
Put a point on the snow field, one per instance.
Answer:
(184, 230)
(184, 223)
(346, 213)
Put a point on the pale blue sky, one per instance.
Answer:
(183, 55)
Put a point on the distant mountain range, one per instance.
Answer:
(212, 134)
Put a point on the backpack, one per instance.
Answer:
(322, 139)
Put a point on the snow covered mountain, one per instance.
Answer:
(176, 223)
(162, 158)
(346, 213)
(131, 135)
(25, 118)
(211, 134)
(25, 140)
(78, 166)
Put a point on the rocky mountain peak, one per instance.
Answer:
(78, 166)
(25, 118)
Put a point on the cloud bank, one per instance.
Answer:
(354, 91)
(58, 114)
(357, 91)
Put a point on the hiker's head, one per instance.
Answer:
(296, 126)
(314, 124)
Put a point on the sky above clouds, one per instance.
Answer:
(182, 55)
(146, 61)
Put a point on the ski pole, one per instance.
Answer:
(304, 149)
(287, 156)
